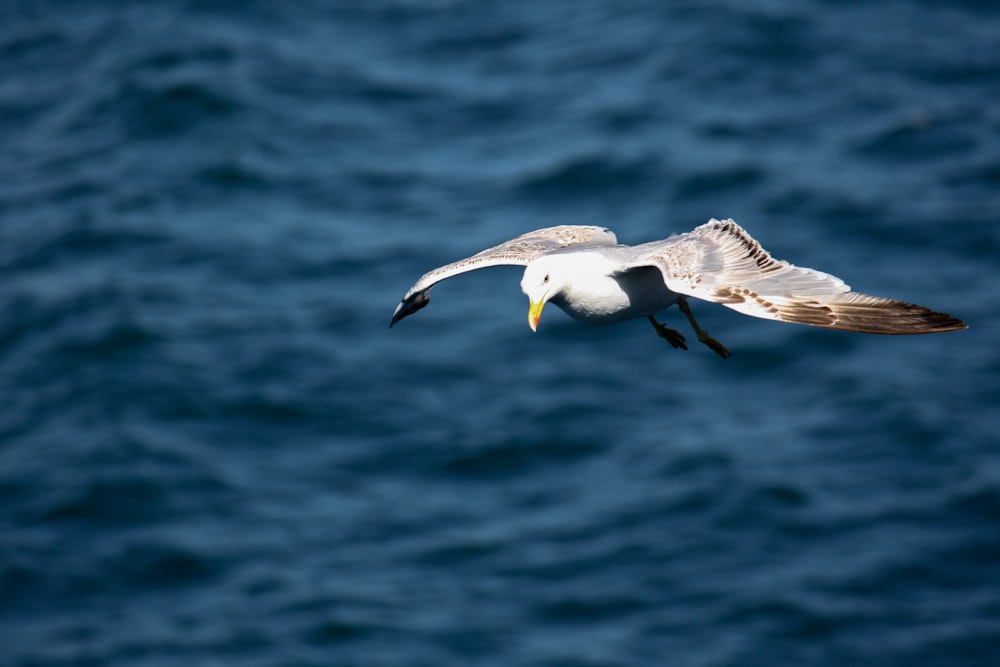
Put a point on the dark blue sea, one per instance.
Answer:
(213, 451)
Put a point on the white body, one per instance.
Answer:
(600, 293)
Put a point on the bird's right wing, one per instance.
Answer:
(519, 251)
(720, 262)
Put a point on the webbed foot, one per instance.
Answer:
(672, 336)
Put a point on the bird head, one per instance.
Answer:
(539, 284)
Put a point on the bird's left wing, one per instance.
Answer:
(519, 251)
(720, 262)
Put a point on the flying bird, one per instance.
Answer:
(584, 271)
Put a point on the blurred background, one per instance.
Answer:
(214, 452)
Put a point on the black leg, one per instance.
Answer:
(703, 336)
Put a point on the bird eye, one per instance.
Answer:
(546, 278)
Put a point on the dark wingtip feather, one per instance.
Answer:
(409, 305)
(867, 314)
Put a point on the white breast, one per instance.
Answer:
(596, 295)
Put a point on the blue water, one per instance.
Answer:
(214, 452)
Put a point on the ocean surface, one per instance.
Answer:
(213, 451)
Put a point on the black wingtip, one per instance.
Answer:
(396, 315)
(409, 305)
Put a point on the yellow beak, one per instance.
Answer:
(535, 314)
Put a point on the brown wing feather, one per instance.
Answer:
(720, 262)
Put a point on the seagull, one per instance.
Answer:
(583, 270)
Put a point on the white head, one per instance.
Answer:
(541, 281)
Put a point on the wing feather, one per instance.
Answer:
(519, 251)
(720, 262)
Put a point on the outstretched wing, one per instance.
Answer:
(720, 262)
(517, 252)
